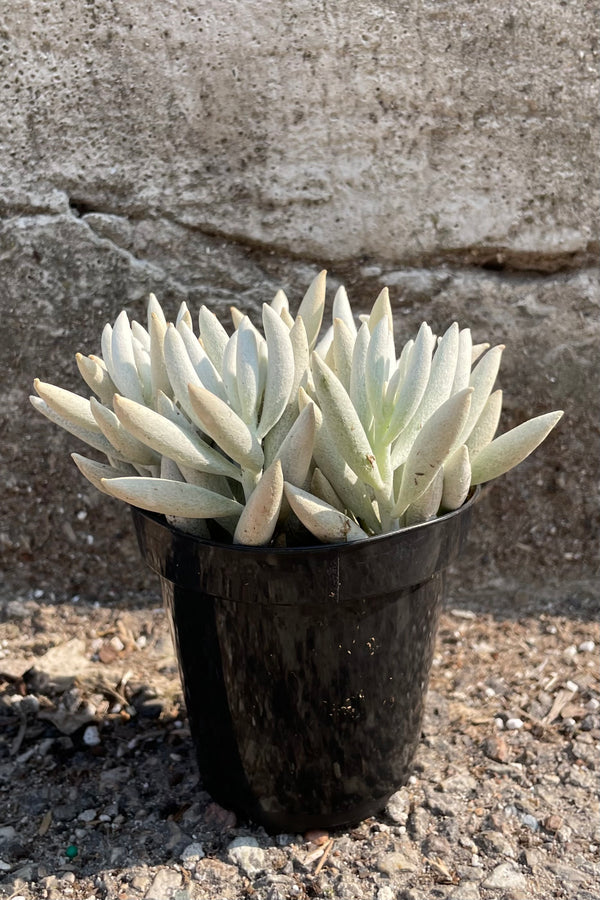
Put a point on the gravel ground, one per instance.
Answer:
(100, 798)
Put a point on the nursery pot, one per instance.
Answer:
(304, 669)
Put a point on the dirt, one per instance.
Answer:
(100, 795)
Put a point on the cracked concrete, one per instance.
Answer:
(446, 150)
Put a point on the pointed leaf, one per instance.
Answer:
(126, 444)
(463, 363)
(344, 425)
(427, 505)
(95, 374)
(94, 438)
(214, 337)
(180, 370)
(280, 302)
(155, 309)
(95, 471)
(511, 448)
(158, 368)
(280, 371)
(325, 522)
(227, 430)
(382, 309)
(486, 426)
(125, 371)
(322, 489)
(358, 377)
(296, 450)
(457, 479)
(342, 310)
(174, 498)
(379, 366)
(312, 306)
(343, 347)
(70, 406)
(248, 372)
(259, 517)
(482, 380)
(414, 384)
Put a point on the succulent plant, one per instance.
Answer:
(274, 431)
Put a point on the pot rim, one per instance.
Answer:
(341, 547)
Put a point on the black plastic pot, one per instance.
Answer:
(304, 670)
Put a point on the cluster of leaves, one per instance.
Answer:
(263, 431)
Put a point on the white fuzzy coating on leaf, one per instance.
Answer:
(226, 428)
(229, 373)
(342, 310)
(382, 309)
(414, 384)
(180, 370)
(457, 479)
(482, 380)
(95, 439)
(214, 337)
(155, 309)
(95, 374)
(95, 471)
(280, 371)
(248, 372)
(140, 334)
(324, 344)
(296, 450)
(512, 447)
(325, 522)
(143, 366)
(280, 302)
(168, 439)
(478, 350)
(70, 406)
(173, 498)
(322, 489)
(431, 447)
(380, 363)
(125, 376)
(312, 306)
(343, 347)
(463, 363)
(486, 426)
(258, 520)
(344, 425)
(158, 368)
(427, 505)
(358, 381)
(183, 315)
(126, 444)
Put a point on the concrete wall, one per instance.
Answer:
(213, 152)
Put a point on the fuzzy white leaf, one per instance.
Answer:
(140, 334)
(158, 368)
(457, 479)
(125, 375)
(344, 425)
(463, 363)
(155, 309)
(358, 377)
(280, 302)
(414, 383)
(312, 306)
(343, 347)
(427, 505)
(325, 522)
(95, 374)
(214, 337)
(226, 428)
(280, 371)
(324, 344)
(379, 366)
(248, 372)
(512, 447)
(229, 373)
(259, 517)
(167, 438)
(486, 426)
(70, 406)
(126, 444)
(382, 309)
(478, 350)
(482, 380)
(95, 471)
(431, 447)
(95, 439)
(180, 370)
(296, 450)
(342, 310)
(183, 315)
(174, 498)
(144, 369)
(322, 489)
(208, 375)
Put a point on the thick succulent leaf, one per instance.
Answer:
(414, 383)
(95, 374)
(125, 375)
(296, 450)
(167, 438)
(342, 310)
(321, 488)
(70, 406)
(280, 371)
(358, 377)
(95, 439)
(143, 366)
(379, 366)
(511, 448)
(180, 370)
(229, 373)
(431, 447)
(343, 347)
(312, 306)
(106, 348)
(236, 316)
(140, 334)
(439, 386)
(95, 471)
(158, 368)
(382, 309)
(226, 428)
(280, 302)
(486, 426)
(208, 375)
(478, 350)
(183, 315)
(259, 517)
(273, 439)
(482, 380)
(248, 372)
(173, 498)
(214, 337)
(344, 425)
(325, 522)
(167, 408)
(155, 309)
(462, 375)
(457, 479)
(322, 348)
(125, 443)
(427, 505)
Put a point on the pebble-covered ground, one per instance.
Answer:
(100, 800)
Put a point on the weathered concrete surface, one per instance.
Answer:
(216, 156)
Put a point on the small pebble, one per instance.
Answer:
(499, 723)
(91, 736)
(192, 854)
(514, 724)
(586, 647)
(571, 686)
(530, 822)
(592, 705)
(88, 815)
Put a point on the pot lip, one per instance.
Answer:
(270, 551)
